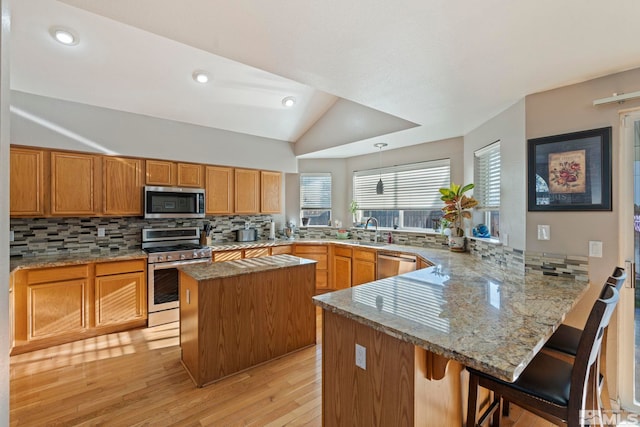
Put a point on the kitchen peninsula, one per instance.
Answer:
(412, 335)
(238, 314)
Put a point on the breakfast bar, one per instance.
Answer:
(394, 350)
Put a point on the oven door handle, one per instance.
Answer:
(174, 264)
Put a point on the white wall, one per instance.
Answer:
(339, 181)
(4, 214)
(54, 123)
(509, 128)
(570, 109)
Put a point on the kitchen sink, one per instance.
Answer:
(362, 243)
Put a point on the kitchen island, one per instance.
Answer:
(413, 334)
(239, 314)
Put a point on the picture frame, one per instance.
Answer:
(570, 172)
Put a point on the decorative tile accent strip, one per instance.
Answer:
(548, 264)
(504, 257)
(57, 236)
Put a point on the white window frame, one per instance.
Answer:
(487, 179)
(321, 203)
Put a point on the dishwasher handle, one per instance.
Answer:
(401, 258)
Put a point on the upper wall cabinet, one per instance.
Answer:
(27, 174)
(270, 190)
(74, 180)
(190, 175)
(219, 190)
(247, 194)
(123, 184)
(160, 172)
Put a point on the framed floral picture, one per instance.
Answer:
(570, 172)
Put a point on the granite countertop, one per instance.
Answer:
(463, 309)
(76, 258)
(217, 270)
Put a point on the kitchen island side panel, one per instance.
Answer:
(248, 319)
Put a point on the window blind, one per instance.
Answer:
(487, 176)
(315, 191)
(406, 187)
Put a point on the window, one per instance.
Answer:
(315, 198)
(411, 196)
(486, 166)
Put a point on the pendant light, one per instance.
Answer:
(380, 186)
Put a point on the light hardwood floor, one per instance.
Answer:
(135, 378)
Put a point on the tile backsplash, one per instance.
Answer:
(49, 236)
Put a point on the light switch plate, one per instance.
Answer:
(595, 249)
(361, 357)
(544, 232)
(12, 236)
(100, 232)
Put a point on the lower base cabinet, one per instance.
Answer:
(56, 305)
(120, 292)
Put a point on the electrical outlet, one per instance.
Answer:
(12, 236)
(595, 249)
(100, 232)
(544, 232)
(361, 357)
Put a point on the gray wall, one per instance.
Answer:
(509, 128)
(47, 122)
(4, 214)
(570, 109)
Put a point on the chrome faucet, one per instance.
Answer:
(366, 224)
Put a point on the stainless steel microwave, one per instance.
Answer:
(173, 202)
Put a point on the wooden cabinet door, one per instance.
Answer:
(160, 172)
(27, 182)
(247, 191)
(57, 308)
(270, 190)
(190, 175)
(123, 184)
(318, 253)
(363, 272)
(120, 298)
(341, 272)
(219, 190)
(74, 179)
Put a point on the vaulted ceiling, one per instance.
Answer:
(403, 73)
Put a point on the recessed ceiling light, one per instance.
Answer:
(64, 36)
(288, 101)
(201, 76)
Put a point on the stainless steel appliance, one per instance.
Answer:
(390, 264)
(246, 235)
(173, 202)
(168, 248)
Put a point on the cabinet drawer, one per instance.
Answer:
(320, 258)
(342, 251)
(364, 255)
(56, 274)
(311, 249)
(277, 250)
(255, 253)
(117, 267)
(226, 255)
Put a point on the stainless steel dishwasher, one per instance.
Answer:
(390, 264)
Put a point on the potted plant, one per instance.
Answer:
(353, 208)
(456, 209)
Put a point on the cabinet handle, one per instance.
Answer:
(188, 296)
(631, 276)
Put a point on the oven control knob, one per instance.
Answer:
(169, 257)
(160, 258)
(195, 254)
(182, 256)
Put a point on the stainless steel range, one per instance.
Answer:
(169, 248)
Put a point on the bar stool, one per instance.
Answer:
(549, 387)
